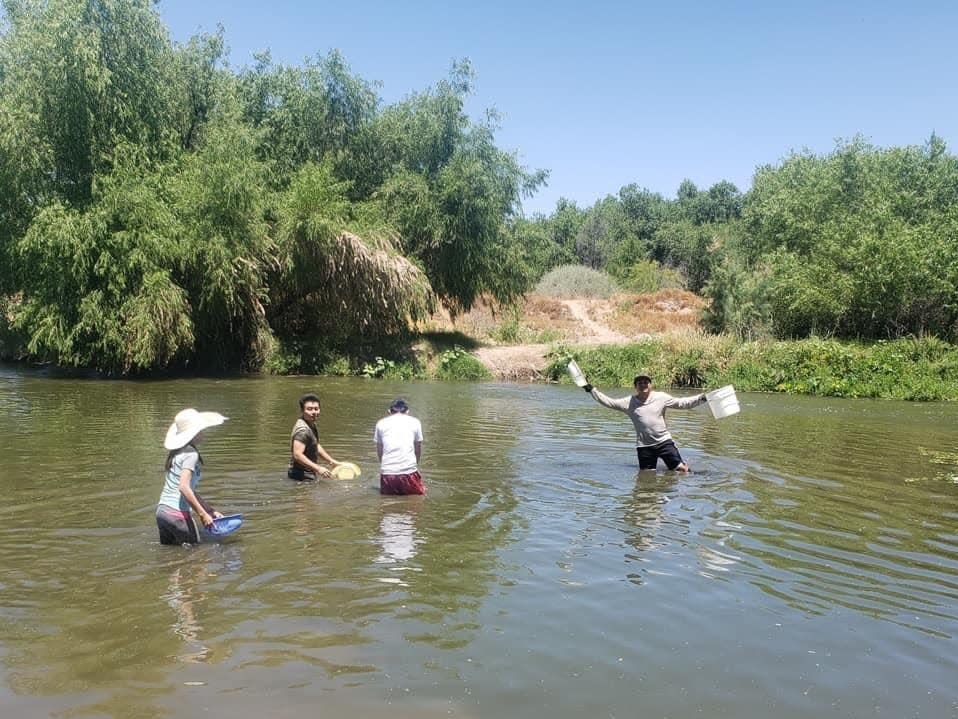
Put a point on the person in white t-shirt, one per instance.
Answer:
(399, 447)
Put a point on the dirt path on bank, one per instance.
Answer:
(595, 333)
(526, 362)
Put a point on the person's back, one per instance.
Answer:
(398, 439)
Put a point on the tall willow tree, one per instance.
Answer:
(125, 253)
(304, 114)
(442, 182)
(79, 76)
(333, 283)
(165, 266)
(159, 211)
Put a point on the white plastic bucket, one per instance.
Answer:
(722, 401)
(576, 374)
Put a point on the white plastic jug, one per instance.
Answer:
(722, 401)
(576, 374)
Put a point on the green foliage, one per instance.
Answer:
(165, 263)
(322, 270)
(12, 343)
(78, 77)
(382, 368)
(306, 357)
(158, 210)
(458, 364)
(856, 244)
(600, 233)
(539, 247)
(448, 191)
(922, 369)
(620, 233)
(739, 296)
(648, 276)
(308, 114)
(207, 215)
(509, 330)
(576, 281)
(379, 367)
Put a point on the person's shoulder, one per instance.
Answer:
(187, 456)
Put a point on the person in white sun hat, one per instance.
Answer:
(183, 468)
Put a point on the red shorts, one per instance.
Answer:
(401, 483)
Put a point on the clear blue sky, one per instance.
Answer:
(603, 94)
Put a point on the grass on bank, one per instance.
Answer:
(922, 369)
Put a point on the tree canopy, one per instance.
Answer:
(159, 210)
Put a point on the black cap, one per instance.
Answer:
(399, 405)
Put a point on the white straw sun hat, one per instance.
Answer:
(189, 423)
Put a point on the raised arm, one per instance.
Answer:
(621, 404)
(686, 402)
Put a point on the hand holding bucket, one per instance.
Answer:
(722, 401)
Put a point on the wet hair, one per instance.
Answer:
(308, 398)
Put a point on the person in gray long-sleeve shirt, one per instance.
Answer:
(646, 409)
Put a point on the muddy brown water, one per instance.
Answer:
(807, 567)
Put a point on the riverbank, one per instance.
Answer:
(923, 369)
(612, 339)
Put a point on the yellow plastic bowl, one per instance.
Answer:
(345, 470)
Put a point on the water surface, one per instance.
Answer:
(808, 566)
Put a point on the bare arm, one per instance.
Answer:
(299, 455)
(418, 446)
(325, 455)
(202, 508)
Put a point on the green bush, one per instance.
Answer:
(648, 276)
(576, 281)
(458, 364)
(920, 369)
(383, 368)
(298, 357)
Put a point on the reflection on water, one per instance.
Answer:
(397, 537)
(180, 598)
(806, 564)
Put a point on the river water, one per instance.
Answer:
(808, 566)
